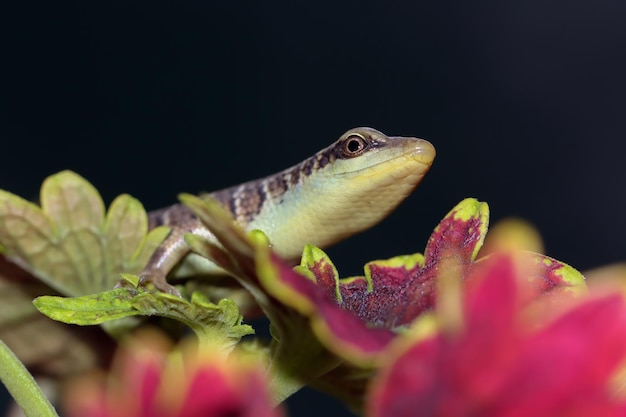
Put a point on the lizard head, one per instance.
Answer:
(370, 174)
(348, 187)
(364, 153)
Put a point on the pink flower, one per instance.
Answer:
(146, 381)
(514, 355)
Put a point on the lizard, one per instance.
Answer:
(341, 190)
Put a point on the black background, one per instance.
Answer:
(524, 101)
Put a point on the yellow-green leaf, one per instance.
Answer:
(68, 243)
(215, 324)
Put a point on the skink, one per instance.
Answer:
(343, 189)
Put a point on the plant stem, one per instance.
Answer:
(22, 386)
(283, 386)
(295, 366)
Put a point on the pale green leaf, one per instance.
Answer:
(69, 243)
(88, 309)
(214, 324)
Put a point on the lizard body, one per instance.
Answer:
(341, 190)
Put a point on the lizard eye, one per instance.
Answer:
(353, 146)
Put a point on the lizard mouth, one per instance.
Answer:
(420, 150)
(413, 150)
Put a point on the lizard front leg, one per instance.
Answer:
(173, 249)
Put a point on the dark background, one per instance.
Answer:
(524, 101)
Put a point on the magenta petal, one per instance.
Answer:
(399, 293)
(395, 292)
(492, 289)
(363, 313)
(341, 329)
(219, 400)
(461, 233)
(502, 365)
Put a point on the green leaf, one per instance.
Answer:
(88, 309)
(67, 246)
(214, 324)
(68, 243)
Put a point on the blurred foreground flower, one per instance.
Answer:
(512, 354)
(147, 380)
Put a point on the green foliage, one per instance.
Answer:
(329, 332)
(214, 324)
(69, 243)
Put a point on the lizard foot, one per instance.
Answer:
(158, 280)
